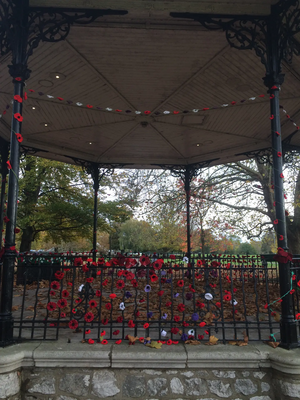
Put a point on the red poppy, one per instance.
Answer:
(89, 317)
(129, 275)
(169, 342)
(120, 273)
(89, 280)
(297, 316)
(6, 219)
(200, 337)
(91, 341)
(172, 257)
(199, 263)
(134, 283)
(88, 331)
(199, 304)
(104, 321)
(62, 303)
(202, 324)
(168, 304)
(98, 293)
(51, 306)
(158, 264)
(174, 330)
(185, 323)
(176, 318)
(19, 137)
(218, 304)
(120, 319)
(227, 297)
(60, 98)
(93, 303)
(176, 112)
(55, 285)
(18, 98)
(181, 307)
(18, 79)
(59, 275)
(118, 110)
(73, 324)
(198, 276)
(85, 268)
(160, 293)
(275, 222)
(105, 282)
(180, 283)
(63, 315)
(31, 90)
(146, 325)
(281, 175)
(112, 295)
(18, 117)
(116, 332)
(17, 230)
(118, 341)
(25, 96)
(292, 291)
(65, 293)
(108, 306)
(144, 260)
(147, 112)
(153, 278)
(131, 324)
(279, 154)
(176, 267)
(8, 165)
(89, 106)
(104, 341)
(52, 293)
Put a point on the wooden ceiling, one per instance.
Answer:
(148, 62)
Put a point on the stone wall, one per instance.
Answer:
(68, 384)
(57, 371)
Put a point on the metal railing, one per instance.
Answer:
(71, 296)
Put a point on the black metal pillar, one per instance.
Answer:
(19, 72)
(187, 188)
(96, 180)
(273, 80)
(4, 170)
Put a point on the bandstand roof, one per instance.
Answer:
(148, 61)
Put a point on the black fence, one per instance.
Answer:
(162, 298)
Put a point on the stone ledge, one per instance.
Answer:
(61, 354)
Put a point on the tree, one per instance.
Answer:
(136, 236)
(57, 199)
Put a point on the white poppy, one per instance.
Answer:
(208, 296)
(122, 306)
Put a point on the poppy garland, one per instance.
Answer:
(127, 280)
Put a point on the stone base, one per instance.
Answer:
(61, 371)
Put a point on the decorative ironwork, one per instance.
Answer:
(39, 25)
(263, 156)
(256, 33)
(31, 151)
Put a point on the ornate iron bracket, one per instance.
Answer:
(257, 33)
(97, 170)
(31, 151)
(38, 25)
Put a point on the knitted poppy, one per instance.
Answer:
(19, 137)
(105, 282)
(168, 304)
(118, 341)
(131, 324)
(146, 325)
(112, 295)
(134, 283)
(227, 297)
(202, 324)
(180, 283)
(59, 275)
(18, 98)
(120, 319)
(154, 278)
(181, 307)
(89, 317)
(18, 117)
(104, 341)
(174, 330)
(160, 293)
(104, 321)
(116, 332)
(89, 280)
(65, 293)
(297, 316)
(51, 306)
(199, 304)
(73, 324)
(108, 306)
(93, 303)
(144, 260)
(55, 285)
(62, 303)
(169, 342)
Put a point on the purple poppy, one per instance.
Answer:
(163, 273)
(176, 295)
(128, 295)
(168, 280)
(195, 317)
(184, 337)
(165, 316)
(149, 314)
(147, 288)
(189, 296)
(141, 273)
